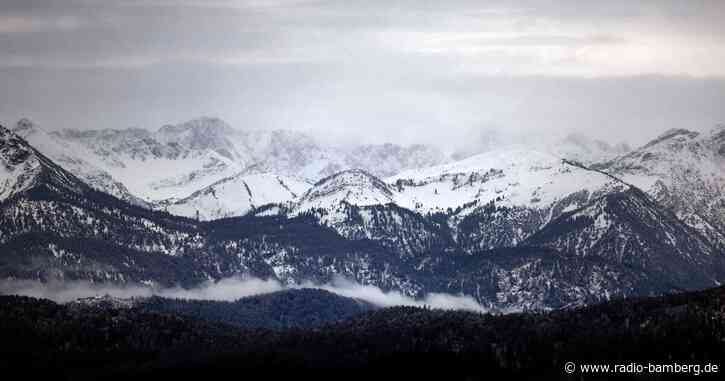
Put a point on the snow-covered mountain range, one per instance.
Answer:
(513, 227)
(178, 160)
(178, 167)
(206, 169)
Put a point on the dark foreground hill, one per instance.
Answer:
(303, 308)
(129, 343)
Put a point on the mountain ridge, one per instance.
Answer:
(683, 171)
(482, 248)
(206, 150)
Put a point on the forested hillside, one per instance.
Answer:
(97, 341)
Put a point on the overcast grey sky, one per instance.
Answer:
(376, 70)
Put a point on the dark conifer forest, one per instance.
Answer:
(100, 341)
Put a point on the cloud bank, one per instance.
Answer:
(231, 289)
(378, 297)
(66, 291)
(372, 71)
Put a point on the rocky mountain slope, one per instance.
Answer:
(52, 225)
(499, 198)
(24, 170)
(685, 172)
(151, 168)
(487, 201)
(630, 229)
(76, 159)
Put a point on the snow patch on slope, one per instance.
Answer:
(510, 177)
(237, 196)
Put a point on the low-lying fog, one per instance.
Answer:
(231, 289)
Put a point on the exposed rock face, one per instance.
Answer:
(684, 171)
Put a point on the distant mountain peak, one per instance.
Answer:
(352, 178)
(718, 133)
(673, 133)
(682, 170)
(23, 168)
(354, 186)
(23, 126)
(205, 123)
(582, 148)
(14, 150)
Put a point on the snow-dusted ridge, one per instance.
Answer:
(151, 167)
(237, 196)
(177, 164)
(492, 200)
(209, 169)
(354, 187)
(684, 171)
(512, 177)
(23, 168)
(76, 159)
(19, 166)
(585, 150)
(178, 160)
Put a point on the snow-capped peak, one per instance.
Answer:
(209, 124)
(718, 129)
(74, 158)
(673, 135)
(354, 187)
(201, 134)
(717, 137)
(23, 126)
(19, 165)
(22, 168)
(681, 169)
(586, 150)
